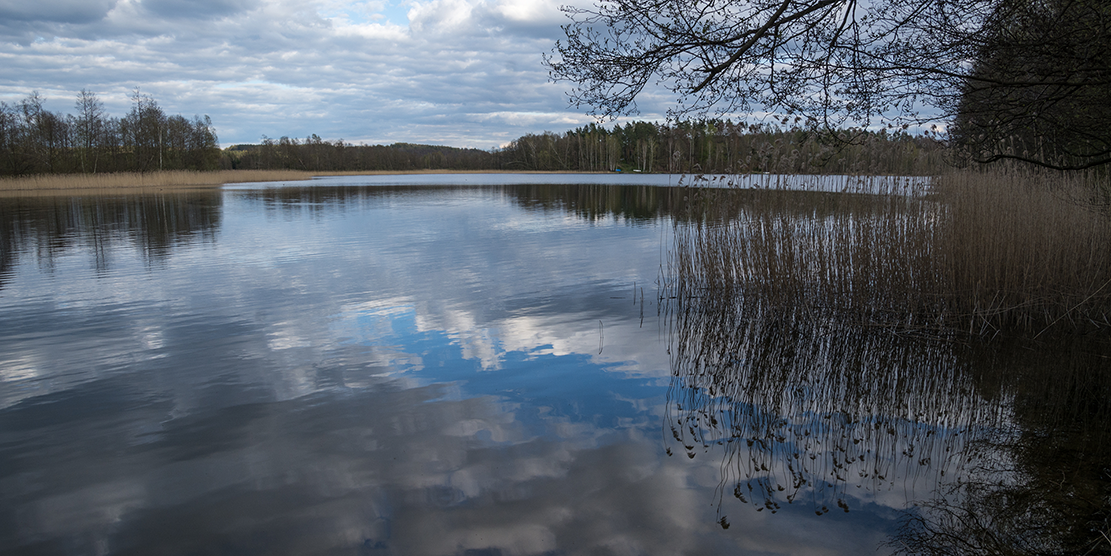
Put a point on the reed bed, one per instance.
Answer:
(984, 252)
(136, 180)
(812, 346)
(187, 179)
(1026, 252)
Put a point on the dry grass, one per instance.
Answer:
(984, 253)
(178, 179)
(1026, 252)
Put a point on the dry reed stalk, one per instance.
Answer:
(781, 349)
(133, 180)
(984, 253)
(1026, 251)
(185, 178)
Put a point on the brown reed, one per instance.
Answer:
(182, 179)
(1026, 251)
(136, 180)
(1008, 250)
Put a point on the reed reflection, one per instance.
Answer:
(797, 369)
(818, 414)
(46, 227)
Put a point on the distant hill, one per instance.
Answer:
(313, 153)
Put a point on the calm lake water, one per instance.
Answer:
(467, 365)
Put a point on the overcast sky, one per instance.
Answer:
(465, 73)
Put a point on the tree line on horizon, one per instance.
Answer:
(34, 140)
(722, 146)
(710, 146)
(316, 154)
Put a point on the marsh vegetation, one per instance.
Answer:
(994, 448)
(142, 180)
(951, 344)
(978, 252)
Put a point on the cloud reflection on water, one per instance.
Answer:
(420, 371)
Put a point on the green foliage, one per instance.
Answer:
(721, 146)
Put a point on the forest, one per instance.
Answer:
(715, 146)
(34, 140)
(686, 147)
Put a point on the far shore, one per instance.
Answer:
(178, 180)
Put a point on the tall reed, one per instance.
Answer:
(1026, 251)
(983, 252)
(135, 180)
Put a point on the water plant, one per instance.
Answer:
(983, 252)
(141, 180)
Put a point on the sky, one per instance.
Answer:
(464, 73)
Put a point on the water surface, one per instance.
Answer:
(469, 368)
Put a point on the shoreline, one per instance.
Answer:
(182, 180)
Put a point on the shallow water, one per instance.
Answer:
(470, 368)
(827, 183)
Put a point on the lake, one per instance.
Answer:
(492, 365)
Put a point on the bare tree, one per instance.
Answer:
(89, 128)
(145, 125)
(837, 62)
(1041, 90)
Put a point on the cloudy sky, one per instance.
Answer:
(465, 73)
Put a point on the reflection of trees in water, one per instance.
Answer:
(999, 448)
(632, 203)
(587, 201)
(1058, 496)
(590, 202)
(317, 200)
(153, 223)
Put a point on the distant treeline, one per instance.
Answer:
(315, 154)
(724, 146)
(34, 140)
(702, 146)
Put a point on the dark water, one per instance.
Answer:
(492, 370)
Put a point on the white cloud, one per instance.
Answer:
(458, 72)
(58, 11)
